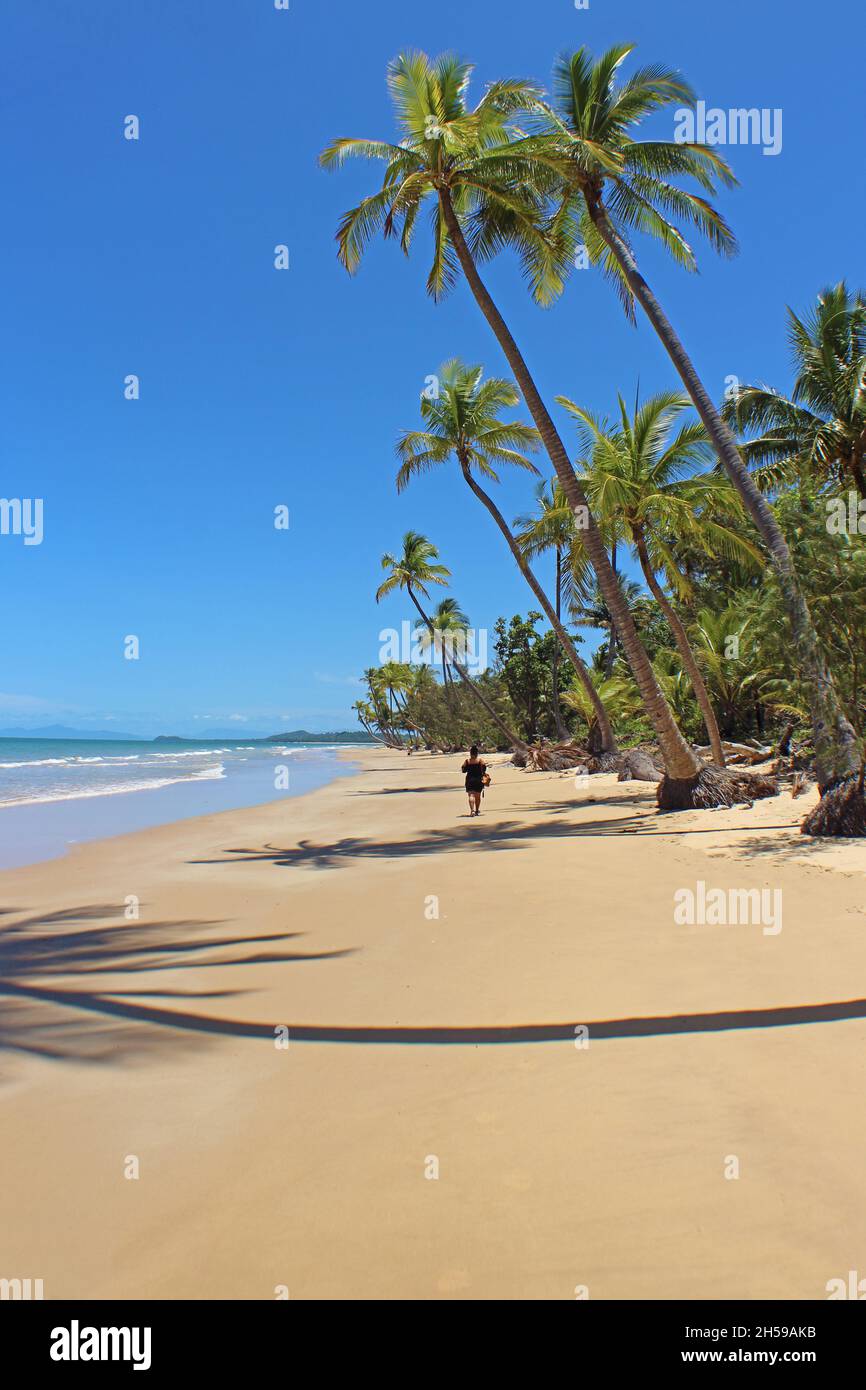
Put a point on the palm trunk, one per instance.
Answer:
(608, 740)
(370, 731)
(558, 721)
(836, 753)
(681, 763)
(611, 639)
(684, 649)
(464, 675)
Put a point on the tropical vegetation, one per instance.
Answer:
(753, 620)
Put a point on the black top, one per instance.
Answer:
(474, 775)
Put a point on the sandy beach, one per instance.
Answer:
(436, 1126)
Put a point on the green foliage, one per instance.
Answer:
(817, 435)
(524, 663)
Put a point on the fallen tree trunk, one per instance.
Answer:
(739, 752)
(638, 766)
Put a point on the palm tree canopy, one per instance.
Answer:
(464, 420)
(586, 137)
(414, 568)
(619, 694)
(447, 617)
(446, 144)
(644, 482)
(728, 655)
(591, 610)
(553, 527)
(820, 429)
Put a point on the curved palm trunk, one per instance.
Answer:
(610, 662)
(836, 753)
(464, 675)
(370, 731)
(558, 720)
(607, 738)
(681, 763)
(684, 649)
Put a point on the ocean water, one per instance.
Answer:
(56, 792)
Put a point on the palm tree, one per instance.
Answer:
(643, 481)
(449, 626)
(820, 429)
(731, 660)
(462, 158)
(619, 694)
(613, 184)
(367, 717)
(412, 571)
(381, 707)
(396, 677)
(551, 527)
(464, 422)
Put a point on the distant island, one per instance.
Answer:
(304, 736)
(62, 731)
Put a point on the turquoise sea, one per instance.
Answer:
(58, 792)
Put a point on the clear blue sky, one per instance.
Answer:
(260, 387)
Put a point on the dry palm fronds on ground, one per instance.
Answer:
(555, 757)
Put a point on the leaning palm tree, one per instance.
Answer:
(461, 158)
(382, 707)
(642, 479)
(366, 713)
(448, 628)
(464, 422)
(819, 431)
(412, 570)
(396, 677)
(550, 527)
(613, 184)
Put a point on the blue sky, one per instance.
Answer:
(260, 387)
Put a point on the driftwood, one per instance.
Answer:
(738, 753)
(555, 757)
(638, 766)
(604, 762)
(634, 764)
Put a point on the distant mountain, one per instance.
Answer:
(61, 731)
(304, 736)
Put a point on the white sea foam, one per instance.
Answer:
(207, 774)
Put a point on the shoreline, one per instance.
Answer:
(39, 828)
(414, 1035)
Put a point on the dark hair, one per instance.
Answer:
(473, 751)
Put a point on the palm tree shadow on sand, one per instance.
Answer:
(68, 981)
(96, 1020)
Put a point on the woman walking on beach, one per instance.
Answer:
(476, 780)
